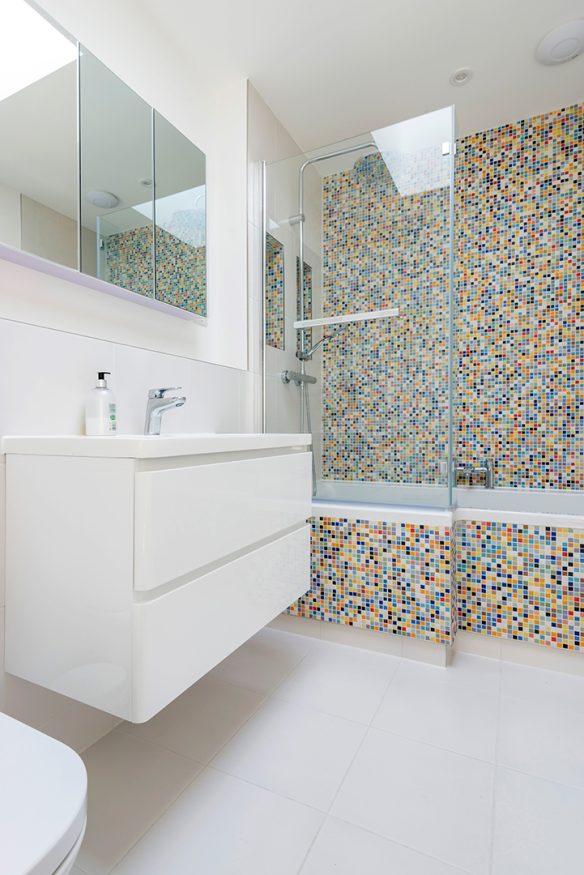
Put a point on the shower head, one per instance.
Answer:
(371, 169)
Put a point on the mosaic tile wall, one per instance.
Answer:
(520, 205)
(388, 577)
(521, 582)
(307, 301)
(520, 355)
(385, 383)
(181, 269)
(274, 291)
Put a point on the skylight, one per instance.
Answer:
(30, 47)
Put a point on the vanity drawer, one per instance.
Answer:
(180, 635)
(187, 518)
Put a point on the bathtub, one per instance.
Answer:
(530, 502)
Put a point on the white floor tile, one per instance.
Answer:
(540, 740)
(343, 681)
(344, 849)
(224, 826)
(296, 751)
(538, 826)
(456, 708)
(130, 785)
(548, 689)
(432, 800)
(201, 721)
(264, 661)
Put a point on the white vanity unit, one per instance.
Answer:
(136, 564)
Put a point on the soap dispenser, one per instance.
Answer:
(100, 410)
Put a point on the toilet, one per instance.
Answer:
(43, 798)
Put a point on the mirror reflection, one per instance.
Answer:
(180, 236)
(91, 177)
(116, 173)
(38, 146)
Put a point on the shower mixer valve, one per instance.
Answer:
(469, 474)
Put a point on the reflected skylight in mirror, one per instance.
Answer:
(30, 47)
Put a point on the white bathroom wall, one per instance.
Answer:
(268, 140)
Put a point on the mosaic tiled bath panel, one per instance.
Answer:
(521, 582)
(383, 576)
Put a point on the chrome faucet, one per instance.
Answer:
(158, 402)
(468, 474)
(486, 472)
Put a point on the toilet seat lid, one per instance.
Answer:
(43, 792)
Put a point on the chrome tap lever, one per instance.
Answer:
(158, 402)
(160, 393)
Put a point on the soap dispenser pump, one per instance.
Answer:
(100, 409)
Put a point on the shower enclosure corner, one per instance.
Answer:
(358, 310)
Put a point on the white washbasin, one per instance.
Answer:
(139, 446)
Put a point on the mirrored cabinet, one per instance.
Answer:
(91, 176)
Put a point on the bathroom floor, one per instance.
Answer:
(297, 755)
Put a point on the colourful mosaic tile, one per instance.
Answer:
(385, 383)
(274, 293)
(520, 353)
(181, 269)
(519, 194)
(388, 577)
(521, 582)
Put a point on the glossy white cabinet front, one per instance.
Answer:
(128, 579)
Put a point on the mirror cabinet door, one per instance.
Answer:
(81, 157)
(116, 179)
(180, 232)
(38, 145)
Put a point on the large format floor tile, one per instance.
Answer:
(264, 661)
(454, 708)
(340, 680)
(344, 849)
(548, 689)
(296, 751)
(538, 826)
(224, 826)
(432, 800)
(130, 785)
(202, 720)
(544, 741)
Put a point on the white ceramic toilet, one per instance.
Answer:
(43, 794)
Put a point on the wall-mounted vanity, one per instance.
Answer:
(91, 177)
(136, 564)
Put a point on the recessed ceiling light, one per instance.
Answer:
(105, 200)
(461, 76)
(563, 43)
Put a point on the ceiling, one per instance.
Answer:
(330, 69)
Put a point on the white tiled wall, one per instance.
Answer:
(46, 375)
